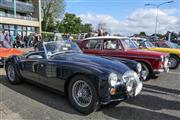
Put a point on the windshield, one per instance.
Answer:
(58, 47)
(129, 44)
(149, 44)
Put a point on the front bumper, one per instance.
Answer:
(165, 69)
(123, 93)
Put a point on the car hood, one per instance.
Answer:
(166, 50)
(145, 53)
(94, 61)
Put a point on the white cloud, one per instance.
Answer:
(140, 20)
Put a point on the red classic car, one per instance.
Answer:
(152, 62)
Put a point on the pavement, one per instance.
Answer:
(159, 100)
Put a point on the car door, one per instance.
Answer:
(50, 73)
(30, 65)
(113, 48)
(93, 47)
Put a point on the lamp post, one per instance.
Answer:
(157, 10)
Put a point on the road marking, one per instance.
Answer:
(175, 73)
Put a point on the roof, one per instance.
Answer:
(105, 37)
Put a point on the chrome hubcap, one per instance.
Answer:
(11, 73)
(173, 62)
(81, 93)
(145, 72)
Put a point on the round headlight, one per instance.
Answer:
(139, 67)
(113, 78)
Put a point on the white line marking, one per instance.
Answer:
(175, 73)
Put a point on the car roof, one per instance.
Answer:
(105, 37)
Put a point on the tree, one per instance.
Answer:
(51, 11)
(142, 34)
(71, 24)
(87, 28)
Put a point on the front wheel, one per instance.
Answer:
(82, 95)
(174, 62)
(145, 71)
(12, 75)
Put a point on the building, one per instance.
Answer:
(20, 16)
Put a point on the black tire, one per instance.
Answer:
(16, 79)
(94, 104)
(145, 68)
(176, 59)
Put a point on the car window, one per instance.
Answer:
(110, 44)
(93, 44)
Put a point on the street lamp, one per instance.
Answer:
(157, 9)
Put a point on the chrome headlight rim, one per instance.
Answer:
(113, 79)
(130, 74)
(162, 58)
(139, 67)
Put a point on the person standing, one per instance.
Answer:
(2, 37)
(26, 39)
(6, 42)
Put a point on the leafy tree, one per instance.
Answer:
(143, 34)
(51, 11)
(87, 28)
(71, 24)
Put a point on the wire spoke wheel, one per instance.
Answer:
(173, 62)
(82, 93)
(11, 73)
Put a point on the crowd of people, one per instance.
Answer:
(9, 41)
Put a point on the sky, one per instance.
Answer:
(127, 16)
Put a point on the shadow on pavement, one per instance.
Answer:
(161, 89)
(154, 103)
(130, 113)
(61, 103)
(46, 97)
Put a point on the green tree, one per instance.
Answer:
(87, 28)
(52, 10)
(71, 24)
(143, 34)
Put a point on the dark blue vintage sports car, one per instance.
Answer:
(88, 81)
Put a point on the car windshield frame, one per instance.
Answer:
(60, 47)
(127, 46)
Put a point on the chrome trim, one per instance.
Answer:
(158, 70)
(112, 100)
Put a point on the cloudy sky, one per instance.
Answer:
(127, 16)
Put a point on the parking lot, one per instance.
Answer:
(159, 100)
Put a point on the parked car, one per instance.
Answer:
(176, 41)
(88, 81)
(138, 40)
(174, 58)
(6, 52)
(123, 47)
(165, 44)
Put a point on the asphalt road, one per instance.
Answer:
(159, 100)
